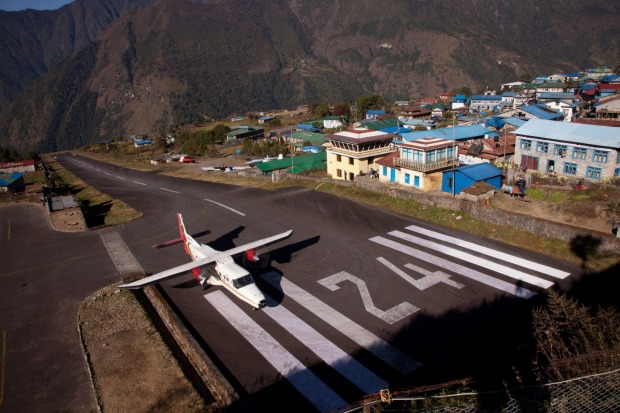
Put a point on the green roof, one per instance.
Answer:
(296, 164)
(382, 124)
(312, 137)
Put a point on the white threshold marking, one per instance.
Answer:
(554, 272)
(169, 190)
(364, 338)
(306, 382)
(225, 206)
(457, 268)
(475, 260)
(331, 354)
(139, 183)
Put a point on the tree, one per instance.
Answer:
(275, 122)
(369, 102)
(220, 132)
(466, 90)
(341, 109)
(321, 110)
(526, 78)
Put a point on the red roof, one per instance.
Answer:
(388, 160)
(16, 164)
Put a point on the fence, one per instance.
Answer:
(599, 393)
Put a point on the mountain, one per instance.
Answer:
(150, 65)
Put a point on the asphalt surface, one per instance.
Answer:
(360, 298)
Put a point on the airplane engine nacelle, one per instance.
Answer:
(254, 259)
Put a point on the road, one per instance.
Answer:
(359, 298)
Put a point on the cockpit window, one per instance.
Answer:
(243, 281)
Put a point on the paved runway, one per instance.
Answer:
(358, 298)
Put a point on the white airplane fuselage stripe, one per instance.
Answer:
(475, 260)
(457, 268)
(364, 338)
(554, 272)
(306, 382)
(338, 359)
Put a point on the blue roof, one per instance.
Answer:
(593, 135)
(480, 171)
(458, 132)
(495, 122)
(375, 112)
(486, 97)
(518, 122)
(542, 111)
(556, 95)
(8, 179)
(610, 78)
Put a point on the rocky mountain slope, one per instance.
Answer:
(155, 64)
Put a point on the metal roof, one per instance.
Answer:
(458, 132)
(295, 164)
(542, 111)
(480, 171)
(594, 135)
(8, 179)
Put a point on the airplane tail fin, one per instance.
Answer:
(184, 235)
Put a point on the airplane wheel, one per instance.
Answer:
(204, 286)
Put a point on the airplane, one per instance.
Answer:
(212, 267)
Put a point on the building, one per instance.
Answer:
(18, 166)
(455, 180)
(572, 150)
(373, 114)
(250, 132)
(13, 182)
(419, 163)
(356, 151)
(332, 122)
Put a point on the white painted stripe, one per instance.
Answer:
(123, 259)
(554, 272)
(169, 190)
(225, 206)
(364, 338)
(475, 260)
(306, 382)
(336, 358)
(139, 183)
(457, 268)
(107, 173)
(120, 177)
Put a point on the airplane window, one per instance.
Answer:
(243, 281)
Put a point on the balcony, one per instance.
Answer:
(425, 167)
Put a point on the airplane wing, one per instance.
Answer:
(159, 277)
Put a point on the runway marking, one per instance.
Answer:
(475, 260)
(390, 316)
(306, 382)
(139, 183)
(331, 354)
(457, 268)
(121, 256)
(3, 367)
(169, 190)
(225, 206)
(554, 272)
(364, 338)
(120, 177)
(429, 279)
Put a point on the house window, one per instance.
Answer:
(338, 158)
(560, 150)
(451, 152)
(600, 156)
(416, 180)
(618, 158)
(542, 147)
(339, 173)
(406, 153)
(351, 161)
(384, 171)
(441, 153)
(579, 153)
(407, 179)
(617, 172)
(593, 172)
(569, 168)
(431, 156)
(526, 144)
(416, 156)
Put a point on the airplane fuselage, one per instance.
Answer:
(227, 273)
